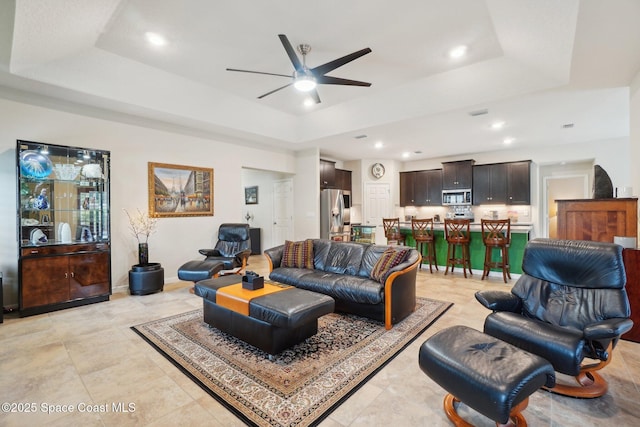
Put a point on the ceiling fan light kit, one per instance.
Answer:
(305, 83)
(306, 79)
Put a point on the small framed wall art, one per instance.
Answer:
(251, 195)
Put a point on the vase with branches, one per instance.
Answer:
(142, 226)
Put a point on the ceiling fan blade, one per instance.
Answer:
(275, 90)
(332, 65)
(328, 80)
(291, 52)
(258, 72)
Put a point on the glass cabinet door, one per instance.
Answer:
(63, 194)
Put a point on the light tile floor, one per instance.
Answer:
(88, 360)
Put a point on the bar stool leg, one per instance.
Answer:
(487, 262)
(449, 258)
(432, 255)
(463, 249)
(466, 262)
(505, 259)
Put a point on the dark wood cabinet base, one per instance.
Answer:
(632, 266)
(32, 311)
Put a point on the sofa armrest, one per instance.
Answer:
(274, 256)
(499, 301)
(400, 290)
(607, 329)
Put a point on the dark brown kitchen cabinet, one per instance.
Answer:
(407, 183)
(63, 276)
(421, 188)
(490, 184)
(502, 183)
(427, 188)
(457, 175)
(343, 180)
(327, 174)
(519, 183)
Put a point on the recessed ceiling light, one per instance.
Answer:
(508, 141)
(568, 125)
(378, 144)
(155, 39)
(308, 102)
(360, 136)
(497, 125)
(406, 154)
(458, 52)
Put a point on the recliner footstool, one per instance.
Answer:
(197, 270)
(490, 376)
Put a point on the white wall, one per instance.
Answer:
(306, 190)
(177, 239)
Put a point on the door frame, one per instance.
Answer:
(545, 195)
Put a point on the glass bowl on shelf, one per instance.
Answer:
(67, 171)
(34, 164)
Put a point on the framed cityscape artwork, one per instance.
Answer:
(176, 190)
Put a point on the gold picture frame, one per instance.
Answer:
(176, 190)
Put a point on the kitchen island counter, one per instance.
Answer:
(519, 238)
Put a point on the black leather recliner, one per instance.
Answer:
(233, 247)
(570, 304)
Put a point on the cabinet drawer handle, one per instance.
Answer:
(72, 274)
(66, 275)
(33, 252)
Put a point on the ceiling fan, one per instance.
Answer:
(304, 78)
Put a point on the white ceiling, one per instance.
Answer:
(534, 64)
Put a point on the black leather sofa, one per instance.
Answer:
(342, 271)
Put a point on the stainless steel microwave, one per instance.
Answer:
(456, 197)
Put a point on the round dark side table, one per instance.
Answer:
(146, 279)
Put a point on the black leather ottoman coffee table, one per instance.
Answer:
(272, 322)
(489, 375)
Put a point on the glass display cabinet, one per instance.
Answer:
(63, 226)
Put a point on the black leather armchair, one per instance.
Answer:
(570, 304)
(232, 249)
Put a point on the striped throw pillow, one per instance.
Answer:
(298, 254)
(389, 259)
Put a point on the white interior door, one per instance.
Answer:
(282, 212)
(376, 205)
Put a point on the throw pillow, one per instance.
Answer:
(389, 259)
(298, 254)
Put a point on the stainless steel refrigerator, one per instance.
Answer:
(332, 215)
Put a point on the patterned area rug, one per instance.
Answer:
(298, 387)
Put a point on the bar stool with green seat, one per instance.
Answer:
(457, 234)
(496, 234)
(422, 230)
(392, 231)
